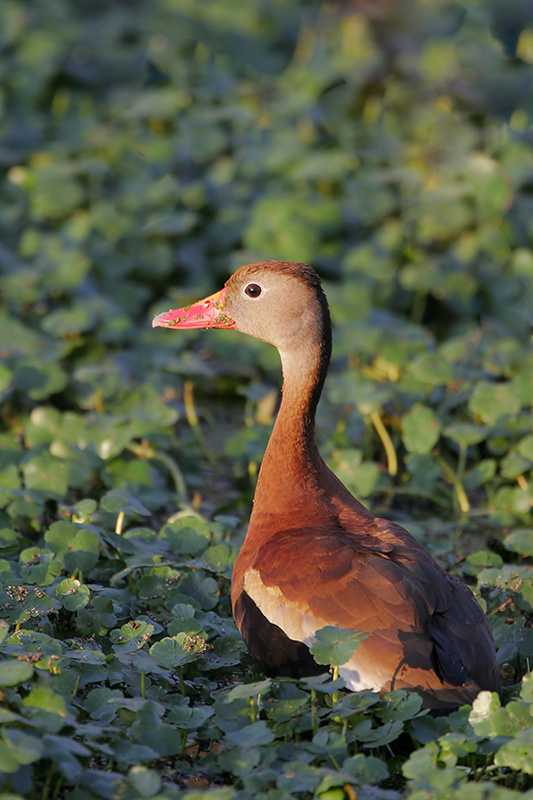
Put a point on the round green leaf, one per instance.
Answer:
(60, 535)
(518, 753)
(248, 690)
(44, 699)
(121, 500)
(77, 545)
(220, 558)
(65, 322)
(491, 401)
(465, 433)
(14, 672)
(335, 646)
(39, 566)
(132, 635)
(420, 429)
(146, 782)
(253, 735)
(520, 541)
(9, 541)
(432, 369)
(169, 653)
(525, 447)
(18, 749)
(5, 377)
(48, 474)
(358, 475)
(489, 185)
(39, 379)
(73, 594)
(187, 535)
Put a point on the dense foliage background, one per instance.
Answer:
(147, 149)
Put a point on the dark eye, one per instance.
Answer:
(252, 290)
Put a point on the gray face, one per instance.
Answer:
(274, 306)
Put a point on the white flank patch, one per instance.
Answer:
(300, 624)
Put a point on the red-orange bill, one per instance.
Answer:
(206, 313)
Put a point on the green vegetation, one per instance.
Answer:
(147, 149)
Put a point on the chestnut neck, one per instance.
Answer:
(292, 470)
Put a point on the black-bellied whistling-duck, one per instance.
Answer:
(313, 554)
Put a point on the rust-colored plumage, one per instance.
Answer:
(313, 555)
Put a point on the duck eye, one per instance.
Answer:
(253, 290)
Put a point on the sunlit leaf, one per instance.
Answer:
(73, 594)
(334, 646)
(44, 699)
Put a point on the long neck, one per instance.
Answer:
(291, 468)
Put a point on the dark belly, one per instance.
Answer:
(275, 654)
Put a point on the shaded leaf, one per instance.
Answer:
(420, 429)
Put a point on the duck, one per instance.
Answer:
(313, 555)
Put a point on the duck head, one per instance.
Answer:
(280, 302)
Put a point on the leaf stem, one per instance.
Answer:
(335, 675)
(454, 479)
(176, 474)
(418, 308)
(77, 685)
(146, 451)
(120, 522)
(334, 762)
(58, 786)
(314, 712)
(46, 786)
(253, 714)
(192, 419)
(461, 463)
(382, 432)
